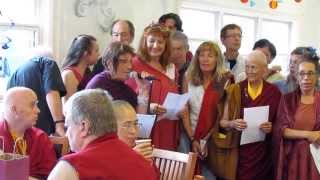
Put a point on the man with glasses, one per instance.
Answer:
(92, 135)
(128, 128)
(230, 36)
(121, 31)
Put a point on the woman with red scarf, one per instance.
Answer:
(205, 81)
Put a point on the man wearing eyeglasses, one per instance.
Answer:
(121, 31)
(92, 135)
(128, 128)
(230, 36)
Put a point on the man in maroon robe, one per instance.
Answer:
(254, 160)
(99, 154)
(20, 114)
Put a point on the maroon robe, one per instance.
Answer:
(165, 133)
(255, 159)
(294, 152)
(109, 158)
(39, 149)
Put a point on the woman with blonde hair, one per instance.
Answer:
(205, 81)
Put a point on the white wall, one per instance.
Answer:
(66, 25)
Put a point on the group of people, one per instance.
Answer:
(99, 106)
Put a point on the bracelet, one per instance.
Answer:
(60, 121)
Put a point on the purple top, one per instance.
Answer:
(117, 89)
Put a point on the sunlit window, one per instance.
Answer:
(202, 25)
(19, 31)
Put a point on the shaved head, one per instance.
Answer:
(256, 66)
(15, 95)
(258, 57)
(20, 107)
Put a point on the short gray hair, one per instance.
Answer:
(180, 36)
(95, 106)
(120, 106)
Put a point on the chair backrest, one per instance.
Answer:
(63, 144)
(175, 165)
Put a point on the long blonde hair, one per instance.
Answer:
(194, 73)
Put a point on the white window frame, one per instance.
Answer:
(258, 15)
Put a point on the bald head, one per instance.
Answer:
(256, 66)
(14, 96)
(258, 57)
(20, 107)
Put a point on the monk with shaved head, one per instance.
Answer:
(249, 161)
(16, 125)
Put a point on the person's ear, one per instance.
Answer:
(84, 128)
(110, 65)
(13, 109)
(85, 53)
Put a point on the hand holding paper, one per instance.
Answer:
(255, 118)
(174, 103)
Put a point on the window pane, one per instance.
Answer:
(21, 41)
(20, 11)
(278, 33)
(198, 24)
(248, 30)
(194, 44)
(283, 61)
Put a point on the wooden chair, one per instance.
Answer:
(175, 165)
(63, 143)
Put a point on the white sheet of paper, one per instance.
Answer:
(315, 152)
(254, 117)
(174, 103)
(146, 122)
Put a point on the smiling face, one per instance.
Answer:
(156, 45)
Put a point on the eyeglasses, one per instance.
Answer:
(123, 34)
(131, 124)
(234, 36)
(308, 74)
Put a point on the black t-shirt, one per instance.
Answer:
(42, 75)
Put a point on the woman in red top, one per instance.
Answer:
(83, 52)
(152, 57)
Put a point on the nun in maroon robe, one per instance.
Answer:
(294, 160)
(255, 159)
